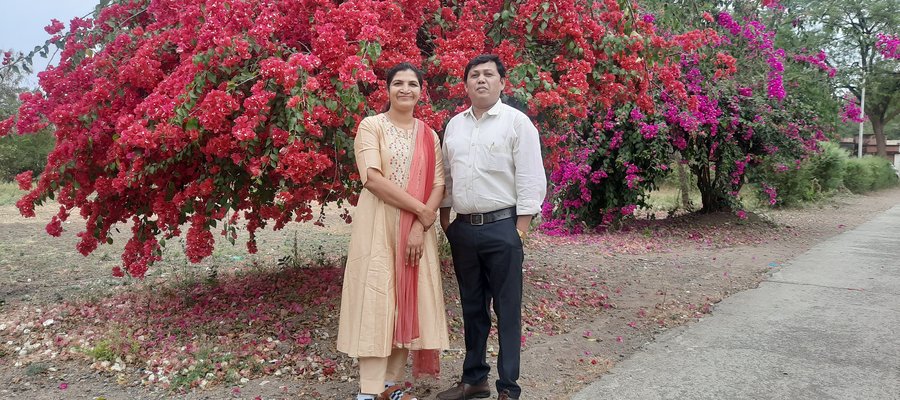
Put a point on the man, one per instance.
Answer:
(495, 182)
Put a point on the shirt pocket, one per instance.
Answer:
(494, 156)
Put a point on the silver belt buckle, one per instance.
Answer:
(476, 219)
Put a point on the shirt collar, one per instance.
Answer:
(495, 110)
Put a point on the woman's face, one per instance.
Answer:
(404, 90)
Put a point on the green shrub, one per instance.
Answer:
(869, 173)
(829, 167)
(883, 175)
(859, 177)
(795, 185)
(815, 178)
(20, 153)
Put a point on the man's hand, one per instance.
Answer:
(522, 234)
(445, 218)
(523, 223)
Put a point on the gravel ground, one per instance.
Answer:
(590, 300)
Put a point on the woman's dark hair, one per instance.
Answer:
(486, 58)
(389, 76)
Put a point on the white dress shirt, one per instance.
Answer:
(493, 163)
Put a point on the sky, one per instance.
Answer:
(22, 24)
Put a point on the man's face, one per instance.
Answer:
(483, 84)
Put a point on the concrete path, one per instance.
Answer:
(827, 326)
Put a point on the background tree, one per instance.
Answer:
(749, 100)
(849, 31)
(19, 153)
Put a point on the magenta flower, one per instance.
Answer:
(888, 46)
(851, 110)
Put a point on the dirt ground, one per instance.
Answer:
(590, 300)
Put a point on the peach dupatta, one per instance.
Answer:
(406, 326)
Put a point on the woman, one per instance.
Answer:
(392, 300)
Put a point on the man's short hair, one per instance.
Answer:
(486, 58)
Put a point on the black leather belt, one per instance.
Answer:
(487, 218)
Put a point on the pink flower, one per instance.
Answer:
(54, 228)
(851, 110)
(54, 27)
(888, 45)
(770, 4)
(24, 179)
(773, 194)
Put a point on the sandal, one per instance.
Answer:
(391, 391)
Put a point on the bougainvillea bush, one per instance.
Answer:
(706, 100)
(737, 120)
(811, 179)
(200, 117)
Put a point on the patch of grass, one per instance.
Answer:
(668, 198)
(103, 351)
(294, 259)
(37, 368)
(751, 200)
(112, 349)
(207, 363)
(194, 373)
(9, 193)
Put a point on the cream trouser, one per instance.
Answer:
(374, 371)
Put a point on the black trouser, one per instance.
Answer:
(488, 263)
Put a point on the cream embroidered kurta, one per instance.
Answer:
(368, 302)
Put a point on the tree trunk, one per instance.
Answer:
(684, 187)
(712, 199)
(880, 140)
(683, 181)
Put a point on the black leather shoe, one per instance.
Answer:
(465, 391)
